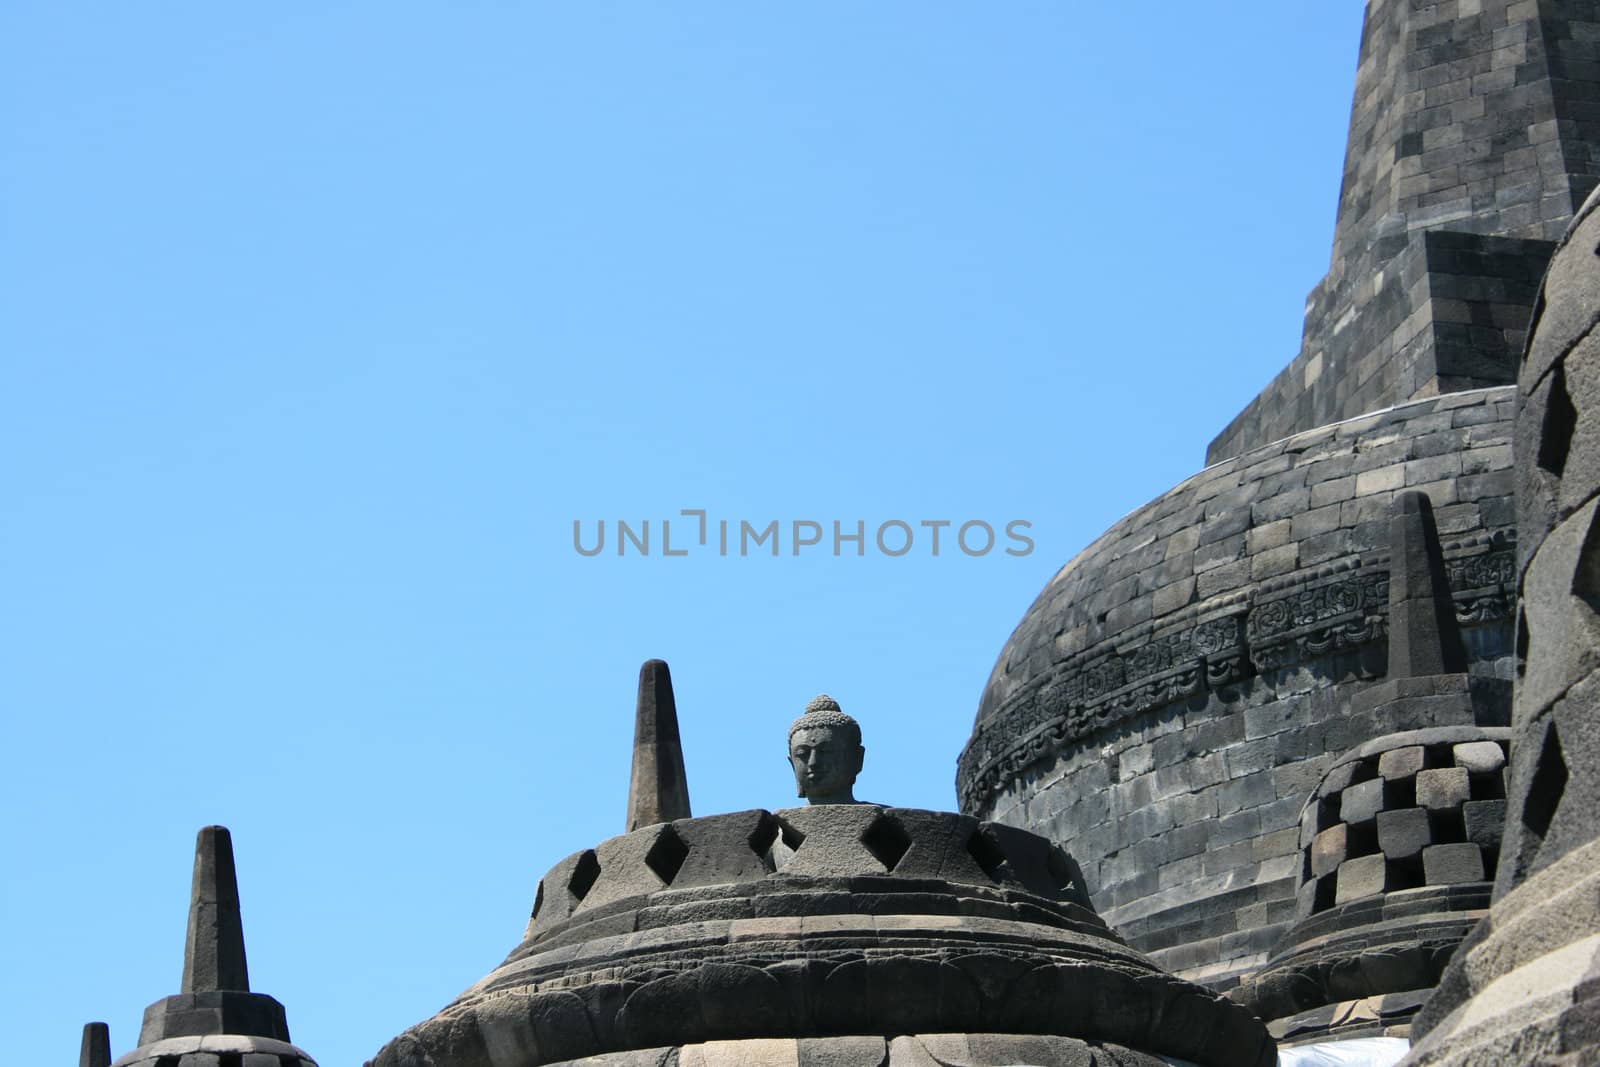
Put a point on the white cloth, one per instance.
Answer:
(1356, 1052)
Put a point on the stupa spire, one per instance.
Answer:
(1424, 637)
(96, 1049)
(213, 952)
(658, 790)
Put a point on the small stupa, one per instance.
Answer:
(841, 933)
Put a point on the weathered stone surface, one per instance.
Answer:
(1403, 832)
(1450, 864)
(658, 787)
(1423, 636)
(1443, 787)
(1329, 849)
(1361, 802)
(842, 1051)
(1479, 757)
(1362, 877)
(213, 955)
(1484, 822)
(831, 839)
(1400, 762)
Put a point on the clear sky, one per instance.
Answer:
(321, 324)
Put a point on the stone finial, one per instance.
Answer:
(825, 753)
(658, 789)
(213, 952)
(1424, 637)
(96, 1048)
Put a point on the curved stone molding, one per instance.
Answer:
(908, 1050)
(822, 922)
(214, 1050)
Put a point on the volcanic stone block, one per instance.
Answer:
(841, 1051)
(1479, 757)
(1400, 762)
(751, 1052)
(1365, 876)
(1450, 864)
(1443, 788)
(1328, 849)
(1404, 832)
(623, 870)
(1485, 821)
(555, 898)
(1362, 801)
(1305, 898)
(1308, 824)
(723, 848)
(831, 839)
(1339, 778)
(937, 846)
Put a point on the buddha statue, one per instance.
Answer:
(826, 753)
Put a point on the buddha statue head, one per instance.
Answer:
(825, 752)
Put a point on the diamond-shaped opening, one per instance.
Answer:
(1325, 892)
(666, 856)
(1544, 792)
(538, 899)
(1560, 420)
(1447, 826)
(1406, 873)
(584, 875)
(1400, 793)
(792, 838)
(1522, 643)
(763, 837)
(1361, 839)
(987, 853)
(887, 840)
(1586, 575)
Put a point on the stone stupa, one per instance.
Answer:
(840, 933)
(215, 1021)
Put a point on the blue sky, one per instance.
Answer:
(322, 324)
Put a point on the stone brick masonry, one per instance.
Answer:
(1472, 142)
(1173, 696)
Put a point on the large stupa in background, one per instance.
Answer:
(1205, 706)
